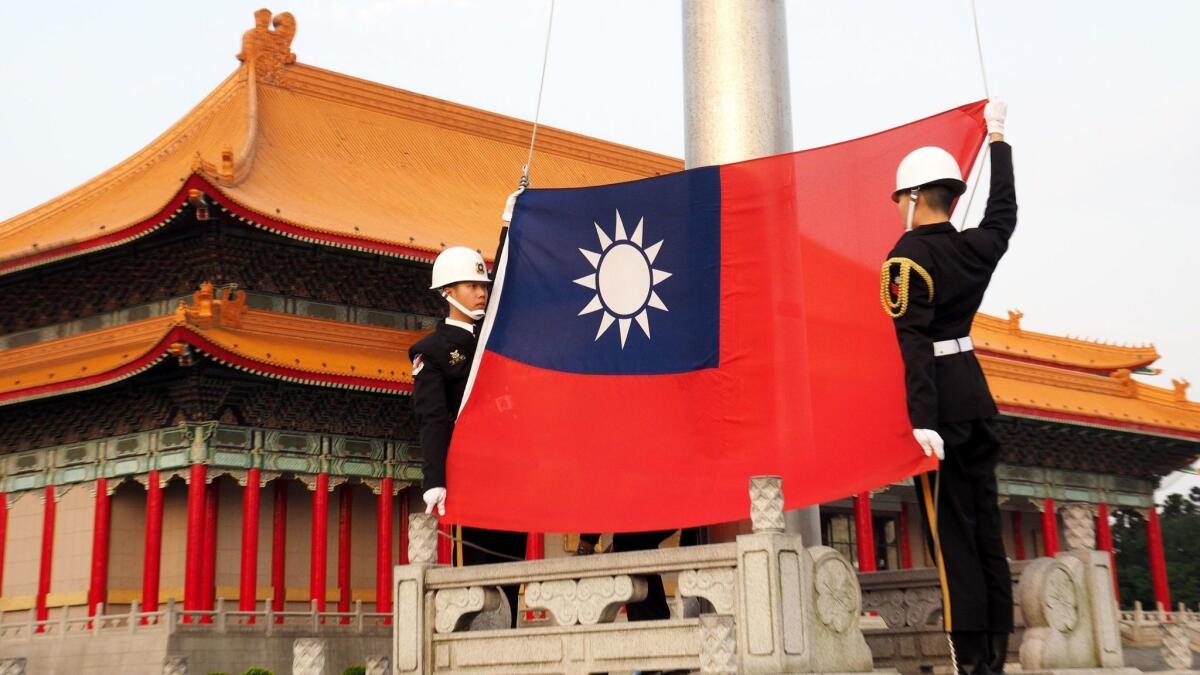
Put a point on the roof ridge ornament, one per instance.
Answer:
(1181, 387)
(1014, 320)
(213, 306)
(268, 51)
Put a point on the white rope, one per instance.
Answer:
(537, 113)
(987, 94)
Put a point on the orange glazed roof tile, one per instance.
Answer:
(270, 344)
(325, 157)
(1117, 401)
(1006, 338)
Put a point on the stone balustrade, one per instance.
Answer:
(776, 606)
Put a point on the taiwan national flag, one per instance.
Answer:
(651, 345)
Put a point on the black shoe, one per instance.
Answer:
(997, 652)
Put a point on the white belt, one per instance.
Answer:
(953, 346)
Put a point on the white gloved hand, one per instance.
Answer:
(437, 497)
(994, 113)
(931, 442)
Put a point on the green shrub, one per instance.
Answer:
(355, 670)
(257, 671)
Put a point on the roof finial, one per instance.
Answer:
(1181, 387)
(268, 51)
(1014, 320)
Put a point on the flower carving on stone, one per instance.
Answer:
(1061, 605)
(837, 593)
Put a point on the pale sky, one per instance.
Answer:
(1104, 100)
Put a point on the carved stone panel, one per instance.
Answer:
(718, 586)
(422, 538)
(718, 644)
(589, 601)
(454, 607)
(766, 503)
(1080, 526)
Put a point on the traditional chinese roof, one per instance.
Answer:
(221, 327)
(1115, 401)
(323, 157)
(1006, 338)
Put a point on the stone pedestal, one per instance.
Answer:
(175, 665)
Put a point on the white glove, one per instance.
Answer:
(994, 113)
(930, 440)
(437, 497)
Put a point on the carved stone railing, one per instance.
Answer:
(223, 619)
(777, 607)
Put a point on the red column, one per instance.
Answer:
(278, 545)
(905, 546)
(402, 552)
(3, 536)
(1104, 542)
(208, 573)
(320, 534)
(1158, 560)
(535, 546)
(865, 532)
(98, 590)
(345, 502)
(445, 548)
(1018, 537)
(383, 547)
(47, 555)
(194, 562)
(1049, 528)
(152, 562)
(248, 593)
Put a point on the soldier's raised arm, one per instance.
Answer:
(990, 239)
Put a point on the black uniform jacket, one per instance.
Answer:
(933, 283)
(441, 364)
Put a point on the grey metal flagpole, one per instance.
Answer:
(737, 106)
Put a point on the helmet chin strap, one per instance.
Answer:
(912, 207)
(475, 314)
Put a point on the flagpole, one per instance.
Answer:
(737, 106)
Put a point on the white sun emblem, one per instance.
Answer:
(624, 280)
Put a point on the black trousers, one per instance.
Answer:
(502, 542)
(969, 537)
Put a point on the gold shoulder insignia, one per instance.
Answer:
(893, 292)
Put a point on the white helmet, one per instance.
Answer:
(458, 263)
(926, 166)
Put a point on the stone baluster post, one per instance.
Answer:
(308, 656)
(408, 614)
(14, 666)
(175, 665)
(379, 665)
(1176, 647)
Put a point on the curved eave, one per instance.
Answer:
(227, 354)
(1098, 422)
(1004, 339)
(176, 205)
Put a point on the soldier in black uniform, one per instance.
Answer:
(441, 364)
(932, 284)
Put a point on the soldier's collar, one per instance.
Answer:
(469, 327)
(935, 228)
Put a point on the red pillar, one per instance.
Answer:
(1158, 560)
(865, 532)
(1049, 528)
(535, 546)
(383, 547)
(320, 534)
(194, 562)
(98, 590)
(1104, 542)
(208, 573)
(445, 548)
(278, 545)
(248, 593)
(1018, 537)
(905, 546)
(152, 562)
(345, 503)
(3, 536)
(402, 552)
(47, 560)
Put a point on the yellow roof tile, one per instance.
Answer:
(1006, 337)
